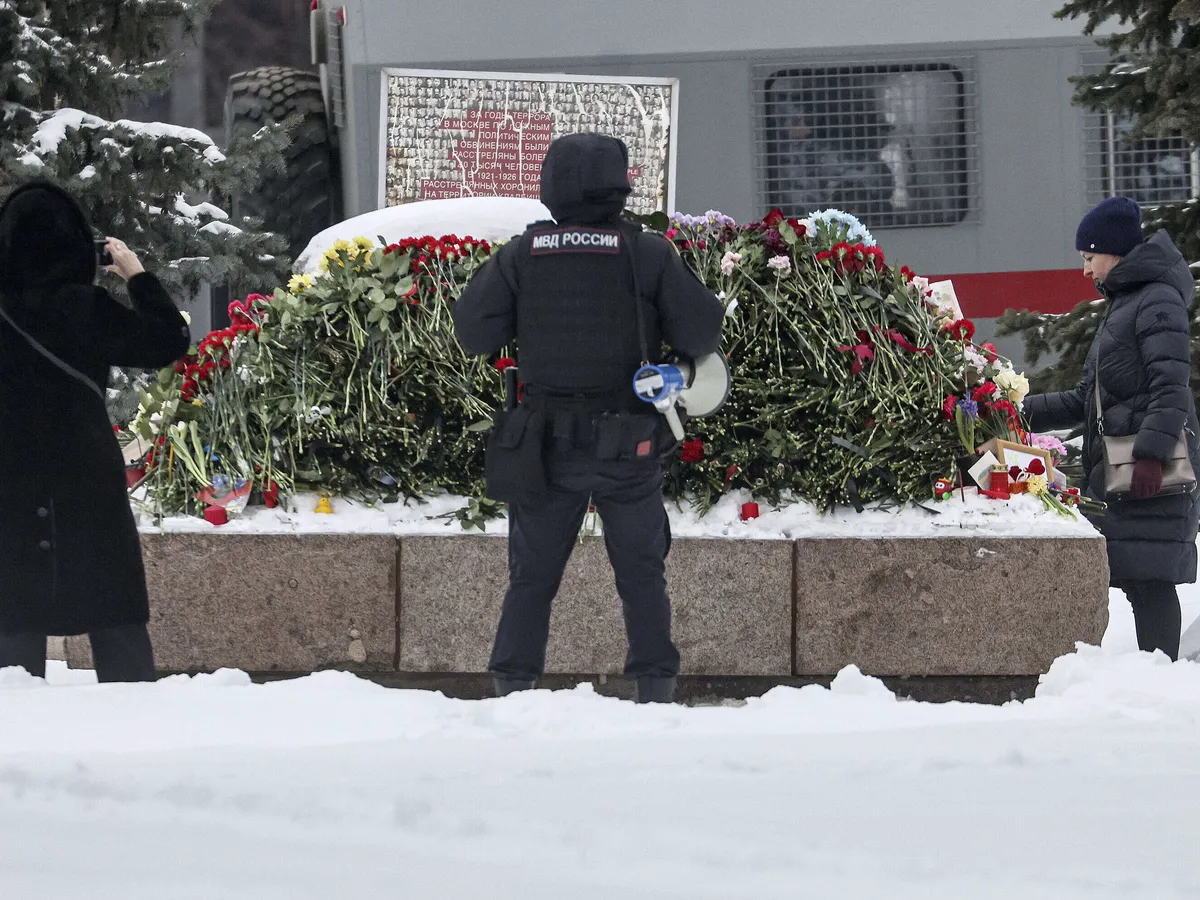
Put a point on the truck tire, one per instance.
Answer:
(305, 197)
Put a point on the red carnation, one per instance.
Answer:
(962, 330)
(948, 406)
(989, 352)
(984, 391)
(504, 362)
(773, 218)
(1005, 408)
(692, 452)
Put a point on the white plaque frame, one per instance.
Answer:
(672, 83)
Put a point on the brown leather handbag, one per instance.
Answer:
(1178, 475)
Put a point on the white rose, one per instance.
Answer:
(1014, 385)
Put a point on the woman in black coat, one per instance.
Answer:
(1142, 354)
(70, 561)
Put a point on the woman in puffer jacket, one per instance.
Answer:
(70, 560)
(1141, 356)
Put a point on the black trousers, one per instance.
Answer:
(628, 498)
(1156, 615)
(122, 653)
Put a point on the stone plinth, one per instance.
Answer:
(947, 606)
(268, 603)
(731, 606)
(767, 609)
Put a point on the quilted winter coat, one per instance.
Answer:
(1142, 350)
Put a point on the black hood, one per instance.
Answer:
(45, 242)
(585, 179)
(1155, 259)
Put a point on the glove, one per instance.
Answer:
(1147, 478)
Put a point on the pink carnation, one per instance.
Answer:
(1048, 442)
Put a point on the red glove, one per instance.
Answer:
(1147, 478)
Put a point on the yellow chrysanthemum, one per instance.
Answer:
(331, 255)
(299, 283)
(1037, 485)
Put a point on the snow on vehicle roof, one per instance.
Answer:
(487, 218)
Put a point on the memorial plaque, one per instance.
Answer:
(484, 134)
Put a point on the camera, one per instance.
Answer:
(103, 257)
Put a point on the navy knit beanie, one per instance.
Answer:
(1115, 226)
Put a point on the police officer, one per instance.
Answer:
(570, 293)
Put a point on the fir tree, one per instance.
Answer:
(68, 68)
(1154, 77)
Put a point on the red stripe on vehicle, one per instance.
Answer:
(987, 295)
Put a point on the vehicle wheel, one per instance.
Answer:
(305, 197)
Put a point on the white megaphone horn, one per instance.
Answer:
(700, 386)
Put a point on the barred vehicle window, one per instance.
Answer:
(1151, 171)
(894, 143)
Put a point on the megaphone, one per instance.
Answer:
(700, 386)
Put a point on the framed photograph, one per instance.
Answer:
(1011, 454)
(946, 300)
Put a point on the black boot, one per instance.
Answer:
(505, 685)
(656, 689)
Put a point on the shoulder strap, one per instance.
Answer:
(633, 236)
(65, 367)
(1096, 388)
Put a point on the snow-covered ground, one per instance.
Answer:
(329, 786)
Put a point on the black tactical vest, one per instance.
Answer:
(577, 328)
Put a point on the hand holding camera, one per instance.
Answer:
(114, 256)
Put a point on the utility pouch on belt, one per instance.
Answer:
(628, 436)
(514, 470)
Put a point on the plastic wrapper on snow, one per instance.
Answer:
(490, 218)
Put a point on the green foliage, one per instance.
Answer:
(353, 383)
(826, 391)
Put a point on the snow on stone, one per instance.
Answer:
(488, 218)
(976, 516)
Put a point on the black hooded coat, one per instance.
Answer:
(1143, 350)
(70, 561)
